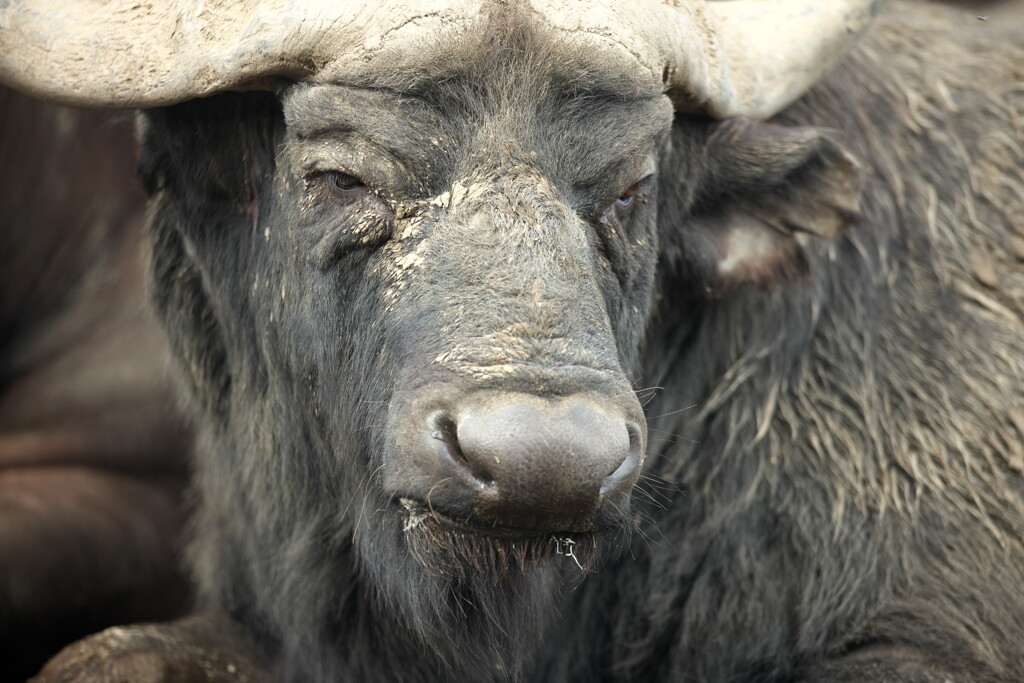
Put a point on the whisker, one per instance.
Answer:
(674, 412)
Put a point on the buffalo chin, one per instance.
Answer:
(482, 598)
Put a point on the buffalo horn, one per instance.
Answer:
(720, 58)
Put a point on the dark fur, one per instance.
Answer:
(833, 485)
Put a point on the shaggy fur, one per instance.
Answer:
(850, 472)
(834, 476)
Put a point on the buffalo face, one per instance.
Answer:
(412, 316)
(502, 247)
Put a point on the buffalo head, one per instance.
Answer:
(409, 287)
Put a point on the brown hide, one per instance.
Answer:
(91, 443)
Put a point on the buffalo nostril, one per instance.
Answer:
(625, 472)
(445, 431)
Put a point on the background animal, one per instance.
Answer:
(92, 448)
(837, 295)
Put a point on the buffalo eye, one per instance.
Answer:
(336, 181)
(627, 197)
(334, 185)
(634, 192)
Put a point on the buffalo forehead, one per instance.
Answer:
(585, 37)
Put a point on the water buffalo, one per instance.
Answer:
(520, 343)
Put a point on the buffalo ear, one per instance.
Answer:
(765, 193)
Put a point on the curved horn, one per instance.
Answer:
(127, 54)
(757, 56)
(721, 58)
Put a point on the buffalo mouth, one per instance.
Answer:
(454, 547)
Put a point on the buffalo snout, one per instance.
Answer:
(511, 462)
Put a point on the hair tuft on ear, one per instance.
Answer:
(765, 191)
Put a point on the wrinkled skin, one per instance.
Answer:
(833, 472)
